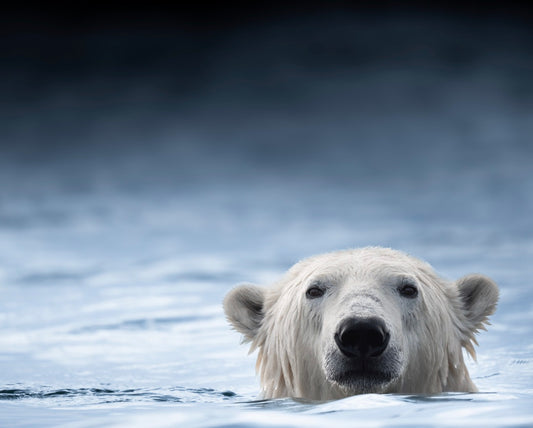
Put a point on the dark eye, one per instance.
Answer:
(408, 290)
(314, 292)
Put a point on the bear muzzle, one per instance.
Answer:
(362, 358)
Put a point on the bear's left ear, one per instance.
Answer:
(244, 309)
(479, 296)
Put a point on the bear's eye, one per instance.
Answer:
(408, 290)
(314, 292)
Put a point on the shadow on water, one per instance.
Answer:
(197, 395)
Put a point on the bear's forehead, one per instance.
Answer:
(369, 264)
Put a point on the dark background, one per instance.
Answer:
(68, 71)
(399, 99)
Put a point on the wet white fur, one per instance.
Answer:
(293, 334)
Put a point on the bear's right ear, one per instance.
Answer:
(244, 309)
(479, 296)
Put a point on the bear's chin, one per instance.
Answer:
(358, 381)
(364, 376)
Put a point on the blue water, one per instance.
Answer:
(120, 237)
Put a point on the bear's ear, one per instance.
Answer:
(244, 309)
(479, 296)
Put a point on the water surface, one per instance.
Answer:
(127, 213)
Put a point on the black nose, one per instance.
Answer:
(362, 337)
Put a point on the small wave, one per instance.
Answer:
(441, 397)
(14, 394)
(50, 278)
(141, 324)
(201, 276)
(174, 394)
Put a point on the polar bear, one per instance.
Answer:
(367, 320)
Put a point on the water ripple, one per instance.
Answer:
(141, 324)
(174, 394)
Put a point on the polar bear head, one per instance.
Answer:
(369, 320)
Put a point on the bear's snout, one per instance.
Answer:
(362, 337)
